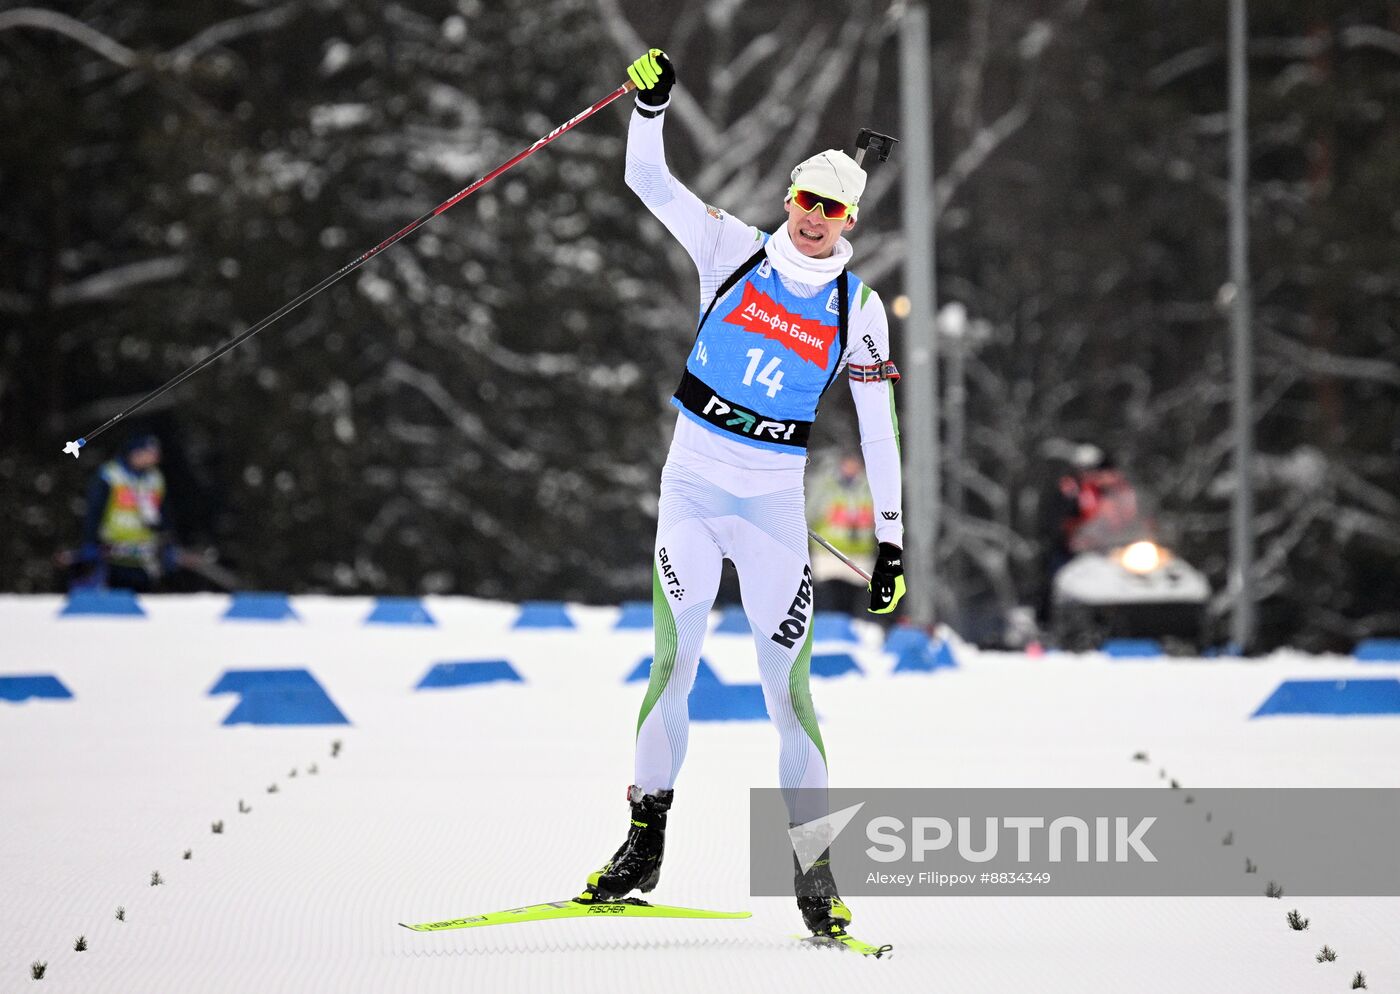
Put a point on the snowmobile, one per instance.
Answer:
(1124, 583)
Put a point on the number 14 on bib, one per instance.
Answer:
(771, 376)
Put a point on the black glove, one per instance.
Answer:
(654, 76)
(887, 579)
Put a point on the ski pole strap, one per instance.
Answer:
(696, 396)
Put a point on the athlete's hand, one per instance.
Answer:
(887, 579)
(653, 75)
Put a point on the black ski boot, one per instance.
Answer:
(637, 863)
(823, 911)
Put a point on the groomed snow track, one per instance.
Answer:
(499, 785)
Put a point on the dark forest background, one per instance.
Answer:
(481, 410)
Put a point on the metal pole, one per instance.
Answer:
(1242, 351)
(953, 322)
(840, 555)
(920, 386)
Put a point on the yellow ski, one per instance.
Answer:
(573, 908)
(846, 941)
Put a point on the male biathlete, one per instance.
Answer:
(780, 318)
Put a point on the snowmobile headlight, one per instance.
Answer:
(1142, 557)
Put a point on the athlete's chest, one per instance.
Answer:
(764, 312)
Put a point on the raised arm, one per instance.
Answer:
(716, 241)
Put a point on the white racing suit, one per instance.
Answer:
(732, 486)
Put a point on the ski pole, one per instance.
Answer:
(75, 445)
(839, 555)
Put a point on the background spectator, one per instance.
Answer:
(123, 541)
(840, 510)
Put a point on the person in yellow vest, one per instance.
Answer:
(122, 537)
(841, 510)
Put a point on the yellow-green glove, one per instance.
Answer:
(887, 579)
(653, 74)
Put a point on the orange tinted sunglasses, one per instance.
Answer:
(832, 210)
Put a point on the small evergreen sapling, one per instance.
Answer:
(1358, 982)
(1296, 921)
(36, 970)
(1273, 890)
(80, 945)
(121, 913)
(156, 880)
(217, 827)
(1326, 954)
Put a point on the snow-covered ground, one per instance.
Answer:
(451, 801)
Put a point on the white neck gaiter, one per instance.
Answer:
(791, 263)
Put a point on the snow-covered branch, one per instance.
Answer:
(1323, 363)
(431, 388)
(629, 44)
(112, 283)
(1311, 46)
(224, 32)
(978, 150)
(1370, 36)
(51, 20)
(180, 58)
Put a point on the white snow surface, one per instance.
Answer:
(459, 801)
